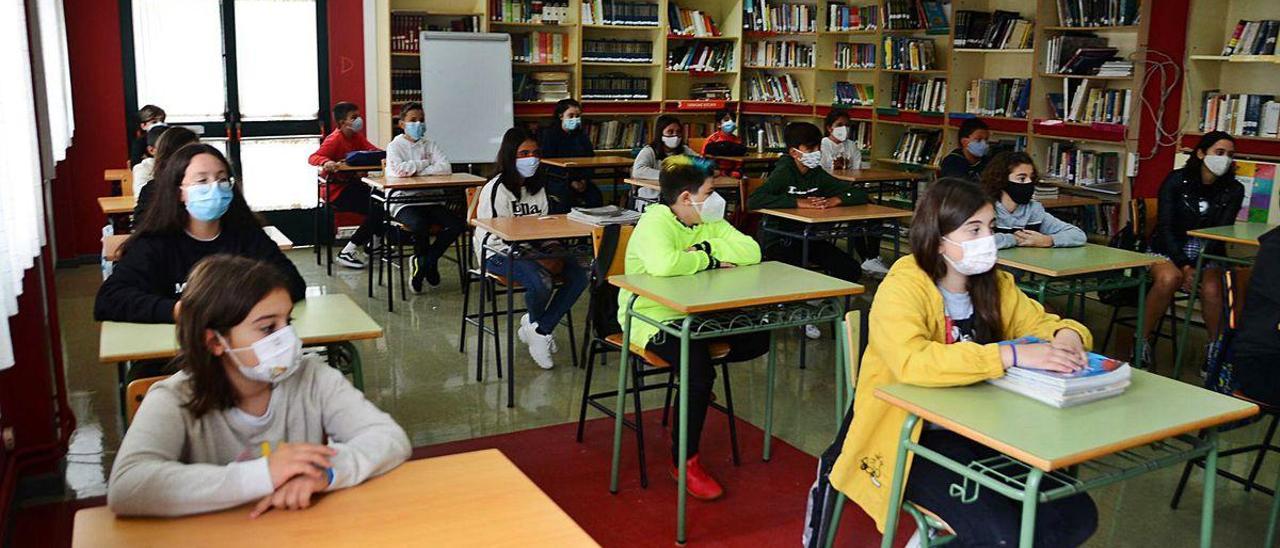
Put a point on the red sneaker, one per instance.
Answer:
(699, 483)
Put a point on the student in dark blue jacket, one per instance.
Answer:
(566, 138)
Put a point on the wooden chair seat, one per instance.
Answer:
(719, 350)
(136, 391)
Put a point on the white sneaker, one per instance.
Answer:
(539, 348)
(875, 267)
(533, 331)
(350, 259)
(812, 332)
(914, 541)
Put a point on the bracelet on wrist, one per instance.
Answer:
(1014, 349)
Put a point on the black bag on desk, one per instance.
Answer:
(365, 158)
(725, 148)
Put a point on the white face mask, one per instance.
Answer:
(840, 133)
(711, 209)
(979, 255)
(810, 159)
(1218, 165)
(527, 166)
(671, 141)
(279, 355)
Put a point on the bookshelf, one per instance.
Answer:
(1208, 70)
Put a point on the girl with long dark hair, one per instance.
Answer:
(668, 139)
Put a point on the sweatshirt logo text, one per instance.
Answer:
(520, 209)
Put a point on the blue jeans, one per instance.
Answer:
(545, 309)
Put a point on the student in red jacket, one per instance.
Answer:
(347, 193)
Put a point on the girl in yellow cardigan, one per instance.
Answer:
(936, 321)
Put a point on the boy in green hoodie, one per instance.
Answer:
(685, 233)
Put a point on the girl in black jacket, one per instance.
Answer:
(1203, 194)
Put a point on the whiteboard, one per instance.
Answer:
(466, 92)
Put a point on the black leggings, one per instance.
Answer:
(992, 519)
(702, 377)
(354, 198)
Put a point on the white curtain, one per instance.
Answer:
(21, 207)
(57, 76)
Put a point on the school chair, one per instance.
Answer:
(696, 143)
(745, 220)
(393, 254)
(643, 364)
(122, 178)
(134, 394)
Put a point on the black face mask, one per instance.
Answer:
(1020, 193)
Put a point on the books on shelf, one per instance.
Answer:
(1080, 167)
(547, 87)
(406, 85)
(615, 87)
(788, 54)
(1115, 67)
(1246, 114)
(617, 134)
(1101, 219)
(540, 48)
(619, 12)
(860, 133)
(1103, 377)
(928, 15)
(1097, 13)
(604, 215)
(851, 55)
(710, 90)
(1253, 38)
(918, 93)
(998, 30)
(772, 127)
(1061, 50)
(761, 16)
(1007, 97)
(406, 26)
(918, 146)
(551, 12)
(847, 18)
(1086, 102)
(701, 56)
(779, 88)
(686, 22)
(909, 53)
(859, 95)
(1007, 143)
(617, 51)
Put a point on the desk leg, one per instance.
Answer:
(682, 497)
(895, 487)
(840, 369)
(1030, 498)
(770, 372)
(1210, 476)
(480, 319)
(122, 381)
(804, 263)
(620, 403)
(372, 255)
(1141, 320)
(1186, 324)
(897, 239)
(511, 333)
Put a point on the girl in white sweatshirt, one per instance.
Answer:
(517, 191)
(248, 418)
(408, 155)
(668, 140)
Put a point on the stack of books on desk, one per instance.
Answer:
(1045, 192)
(604, 216)
(1102, 378)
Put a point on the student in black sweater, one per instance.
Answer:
(1257, 342)
(968, 161)
(566, 138)
(149, 116)
(197, 211)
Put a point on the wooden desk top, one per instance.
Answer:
(749, 157)
(471, 499)
(111, 244)
(424, 182)
(1058, 262)
(1239, 233)
(117, 205)
(1068, 200)
(718, 182)
(532, 227)
(766, 283)
(118, 174)
(1151, 409)
(318, 319)
(282, 241)
(590, 161)
(874, 175)
(841, 214)
(347, 168)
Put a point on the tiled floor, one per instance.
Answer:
(416, 373)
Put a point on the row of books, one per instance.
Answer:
(540, 48)
(1082, 101)
(546, 87)
(710, 90)
(850, 55)
(615, 87)
(1008, 97)
(760, 16)
(1081, 167)
(604, 215)
(619, 12)
(618, 134)
(998, 30)
(1101, 219)
(1245, 114)
(1097, 13)
(702, 57)
(916, 14)
(917, 93)
(772, 128)
(789, 54)
(1253, 38)
(860, 133)
(551, 12)
(617, 51)
(1076, 54)
(406, 85)
(1116, 67)
(862, 95)
(686, 22)
(406, 26)
(779, 88)
(1103, 377)
(909, 54)
(919, 146)
(846, 18)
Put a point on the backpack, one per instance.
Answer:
(604, 295)
(1125, 238)
(820, 506)
(1219, 359)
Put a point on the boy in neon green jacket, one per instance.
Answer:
(685, 233)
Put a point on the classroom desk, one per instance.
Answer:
(728, 187)
(451, 191)
(469, 499)
(761, 159)
(527, 238)
(615, 167)
(763, 297)
(1070, 271)
(1069, 201)
(117, 205)
(324, 222)
(1245, 234)
(332, 320)
(1149, 427)
(890, 180)
(111, 244)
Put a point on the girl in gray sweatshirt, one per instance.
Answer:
(1010, 180)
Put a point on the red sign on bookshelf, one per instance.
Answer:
(701, 104)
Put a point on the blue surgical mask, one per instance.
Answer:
(977, 148)
(357, 124)
(570, 124)
(527, 166)
(209, 201)
(415, 130)
(728, 126)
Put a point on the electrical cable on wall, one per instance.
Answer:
(1170, 75)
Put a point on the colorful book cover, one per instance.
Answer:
(1260, 202)
(1098, 364)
